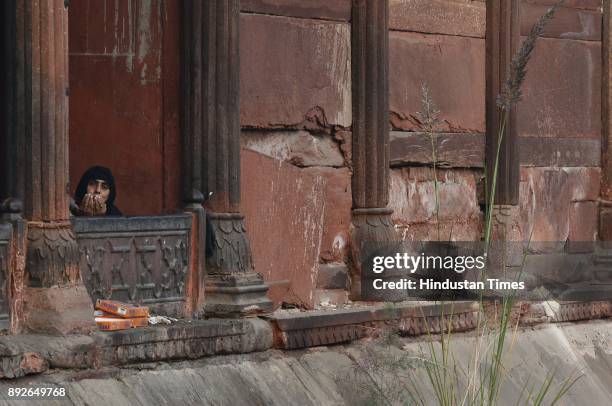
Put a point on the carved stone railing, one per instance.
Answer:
(5, 240)
(142, 260)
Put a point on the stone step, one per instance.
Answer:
(25, 354)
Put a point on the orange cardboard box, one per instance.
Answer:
(112, 323)
(122, 309)
(139, 322)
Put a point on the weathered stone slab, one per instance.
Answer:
(577, 4)
(294, 72)
(413, 197)
(438, 17)
(461, 150)
(546, 195)
(569, 23)
(299, 148)
(337, 216)
(562, 90)
(339, 10)
(284, 209)
(58, 310)
(554, 151)
(452, 68)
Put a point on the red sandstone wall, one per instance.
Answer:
(295, 104)
(124, 99)
(296, 118)
(439, 43)
(562, 103)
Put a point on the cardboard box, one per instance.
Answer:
(122, 309)
(139, 322)
(113, 323)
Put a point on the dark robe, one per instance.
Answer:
(95, 173)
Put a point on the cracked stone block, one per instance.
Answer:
(562, 75)
(454, 70)
(337, 216)
(546, 196)
(339, 10)
(438, 16)
(299, 148)
(294, 72)
(413, 197)
(284, 209)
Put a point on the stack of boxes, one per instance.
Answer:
(112, 315)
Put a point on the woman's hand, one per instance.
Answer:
(93, 205)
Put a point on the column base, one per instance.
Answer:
(238, 295)
(232, 287)
(506, 248)
(58, 310)
(55, 301)
(372, 233)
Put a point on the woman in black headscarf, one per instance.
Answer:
(95, 194)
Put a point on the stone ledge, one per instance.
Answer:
(314, 328)
(21, 355)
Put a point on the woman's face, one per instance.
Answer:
(99, 187)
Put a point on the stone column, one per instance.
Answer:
(35, 148)
(605, 231)
(371, 220)
(502, 41)
(210, 127)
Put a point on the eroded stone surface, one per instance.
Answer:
(454, 70)
(299, 148)
(284, 209)
(337, 216)
(58, 310)
(438, 16)
(413, 195)
(563, 74)
(274, 51)
(546, 196)
(323, 9)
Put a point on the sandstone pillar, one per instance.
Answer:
(502, 39)
(371, 220)
(605, 231)
(210, 128)
(35, 162)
